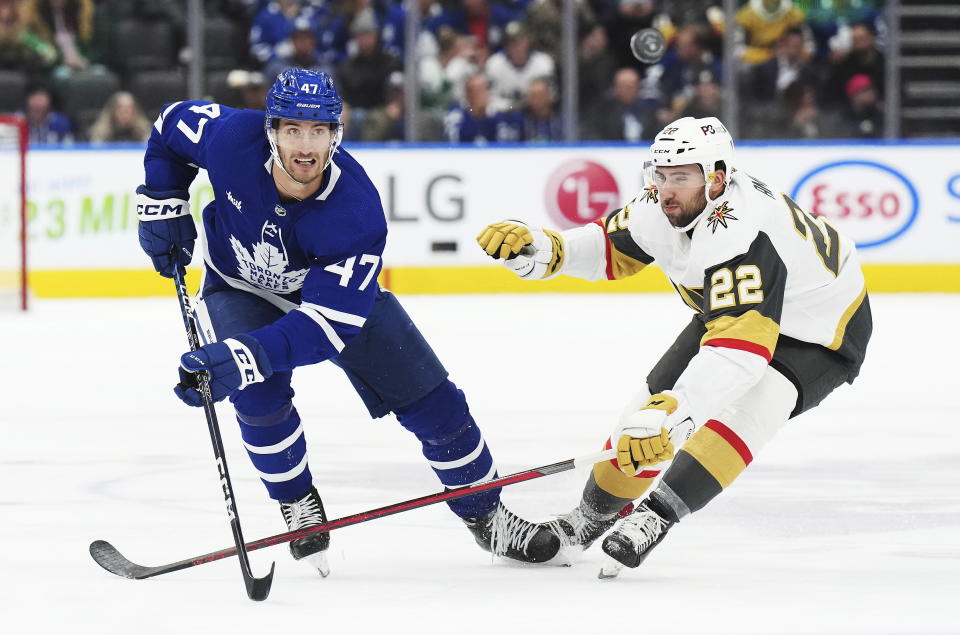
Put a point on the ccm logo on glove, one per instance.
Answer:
(162, 211)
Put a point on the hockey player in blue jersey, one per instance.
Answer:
(293, 244)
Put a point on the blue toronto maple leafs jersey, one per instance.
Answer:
(316, 259)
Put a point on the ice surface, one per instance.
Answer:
(848, 522)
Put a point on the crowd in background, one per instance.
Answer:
(489, 70)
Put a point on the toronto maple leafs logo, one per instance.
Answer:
(650, 195)
(720, 215)
(265, 266)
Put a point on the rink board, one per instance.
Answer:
(899, 202)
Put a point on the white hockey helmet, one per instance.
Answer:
(688, 141)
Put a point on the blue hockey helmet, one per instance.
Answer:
(299, 93)
(307, 95)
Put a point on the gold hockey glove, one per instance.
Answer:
(530, 252)
(643, 438)
(504, 239)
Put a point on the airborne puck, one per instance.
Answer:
(648, 45)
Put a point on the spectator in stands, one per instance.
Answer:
(680, 13)
(762, 23)
(303, 52)
(596, 67)
(706, 100)
(121, 119)
(623, 115)
(46, 124)
(511, 70)
(362, 78)
(251, 88)
(541, 124)
(20, 48)
(762, 85)
(386, 123)
(68, 25)
(485, 21)
(627, 17)
(270, 34)
(479, 119)
(801, 116)
(683, 67)
(830, 23)
(864, 58)
(791, 63)
(443, 76)
(543, 20)
(863, 117)
(393, 34)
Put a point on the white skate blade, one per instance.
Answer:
(319, 562)
(610, 569)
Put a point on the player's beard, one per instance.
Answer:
(690, 208)
(303, 173)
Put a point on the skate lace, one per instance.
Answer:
(302, 513)
(643, 528)
(508, 531)
(582, 526)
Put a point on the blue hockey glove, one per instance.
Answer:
(165, 222)
(233, 364)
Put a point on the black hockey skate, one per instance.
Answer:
(503, 533)
(307, 511)
(634, 539)
(581, 526)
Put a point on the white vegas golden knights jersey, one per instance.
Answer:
(755, 266)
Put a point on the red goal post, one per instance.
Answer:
(14, 135)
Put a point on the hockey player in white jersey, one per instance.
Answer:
(782, 319)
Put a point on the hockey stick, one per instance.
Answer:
(107, 556)
(257, 588)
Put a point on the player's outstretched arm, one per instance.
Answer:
(530, 252)
(540, 254)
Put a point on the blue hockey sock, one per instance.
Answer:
(278, 449)
(453, 445)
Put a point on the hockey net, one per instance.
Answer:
(13, 213)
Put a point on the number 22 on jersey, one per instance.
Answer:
(748, 290)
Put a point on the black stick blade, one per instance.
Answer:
(107, 556)
(259, 588)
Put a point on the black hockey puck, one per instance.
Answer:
(648, 45)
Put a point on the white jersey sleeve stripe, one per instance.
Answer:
(158, 124)
(276, 447)
(285, 476)
(449, 465)
(336, 316)
(326, 326)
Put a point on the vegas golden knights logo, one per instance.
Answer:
(720, 215)
(650, 194)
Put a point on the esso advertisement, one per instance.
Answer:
(579, 192)
(868, 201)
